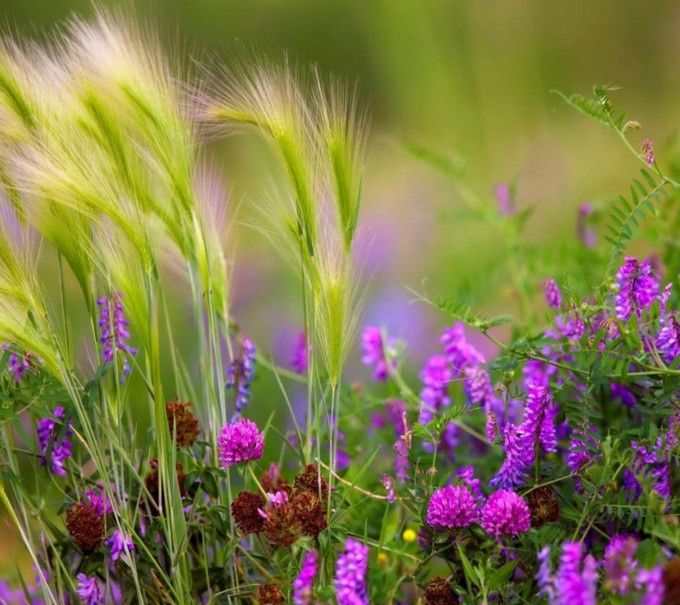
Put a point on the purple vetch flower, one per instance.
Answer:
(538, 425)
(436, 376)
(505, 514)
(240, 441)
(120, 544)
(59, 446)
(376, 351)
(113, 330)
(571, 326)
(467, 475)
(576, 578)
(395, 410)
(241, 373)
(584, 441)
(459, 352)
(544, 577)
(623, 394)
(402, 447)
(18, 365)
(350, 574)
(303, 586)
(300, 354)
(504, 198)
(388, 484)
(451, 507)
(651, 580)
(513, 471)
(668, 339)
(586, 233)
(651, 465)
(89, 589)
(100, 501)
(636, 288)
(553, 295)
(648, 152)
(619, 564)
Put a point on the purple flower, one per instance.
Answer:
(619, 564)
(668, 339)
(622, 393)
(350, 574)
(544, 577)
(402, 447)
(120, 544)
(505, 514)
(300, 354)
(113, 330)
(553, 296)
(652, 582)
(395, 410)
(583, 442)
(585, 232)
(538, 425)
(240, 441)
(376, 352)
(59, 446)
(648, 151)
(436, 376)
(650, 465)
(451, 507)
(241, 373)
(18, 365)
(636, 288)
(514, 468)
(467, 475)
(303, 586)
(504, 198)
(100, 501)
(576, 583)
(388, 484)
(89, 589)
(459, 352)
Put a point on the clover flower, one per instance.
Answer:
(636, 288)
(543, 505)
(241, 373)
(505, 514)
(86, 525)
(309, 479)
(59, 448)
(376, 354)
(240, 441)
(182, 424)
(113, 330)
(269, 594)
(245, 510)
(89, 589)
(303, 585)
(120, 544)
(553, 296)
(438, 591)
(451, 507)
(350, 574)
(309, 512)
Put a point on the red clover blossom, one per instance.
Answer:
(451, 507)
(505, 514)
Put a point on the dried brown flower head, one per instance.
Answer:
(309, 479)
(543, 505)
(244, 508)
(182, 422)
(438, 591)
(671, 581)
(153, 484)
(310, 512)
(86, 526)
(272, 481)
(269, 594)
(281, 525)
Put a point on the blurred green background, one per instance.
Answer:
(466, 77)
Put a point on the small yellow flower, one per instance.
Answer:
(383, 559)
(409, 535)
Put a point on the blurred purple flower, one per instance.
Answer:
(59, 448)
(300, 354)
(89, 589)
(350, 574)
(241, 373)
(303, 586)
(586, 233)
(619, 564)
(636, 288)
(120, 544)
(504, 199)
(648, 151)
(553, 296)
(376, 352)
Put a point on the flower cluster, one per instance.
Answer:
(350, 574)
(54, 437)
(241, 373)
(240, 441)
(376, 350)
(113, 330)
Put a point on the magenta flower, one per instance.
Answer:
(636, 288)
(89, 589)
(505, 514)
(120, 544)
(619, 564)
(113, 330)
(99, 501)
(513, 471)
(651, 580)
(240, 441)
(303, 586)
(576, 579)
(376, 353)
(350, 574)
(18, 365)
(459, 352)
(451, 507)
(388, 484)
(49, 439)
(553, 296)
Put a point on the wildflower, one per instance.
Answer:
(459, 353)
(183, 425)
(585, 232)
(281, 525)
(477, 387)
(506, 204)
(100, 501)
(245, 508)
(310, 479)
(668, 339)
(18, 365)
(241, 374)
(89, 589)
(269, 594)
(648, 151)
(544, 577)
(623, 394)
(120, 544)
(538, 425)
(650, 464)
(467, 474)
(402, 448)
(60, 449)
(583, 441)
(436, 376)
(553, 296)
(451, 507)
(636, 288)
(350, 574)
(303, 585)
(113, 330)
(576, 580)
(85, 525)
(376, 352)
(409, 535)
(153, 485)
(388, 484)
(240, 441)
(300, 354)
(310, 512)
(513, 471)
(272, 480)
(395, 411)
(619, 564)
(438, 591)
(505, 514)
(543, 505)
(652, 581)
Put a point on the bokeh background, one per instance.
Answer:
(471, 79)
